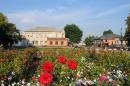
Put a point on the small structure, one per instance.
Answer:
(62, 42)
(82, 44)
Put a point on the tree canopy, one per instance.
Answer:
(127, 33)
(73, 32)
(89, 40)
(107, 32)
(8, 32)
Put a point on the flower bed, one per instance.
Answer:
(14, 61)
(63, 67)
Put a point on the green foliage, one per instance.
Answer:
(8, 32)
(3, 19)
(107, 32)
(89, 40)
(73, 32)
(127, 33)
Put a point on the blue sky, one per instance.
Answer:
(92, 16)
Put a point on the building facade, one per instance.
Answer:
(45, 36)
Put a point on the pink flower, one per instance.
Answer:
(103, 78)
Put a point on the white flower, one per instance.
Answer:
(23, 81)
(13, 73)
(13, 84)
(108, 77)
(109, 73)
(10, 77)
(95, 80)
(18, 83)
(110, 80)
(90, 82)
(38, 84)
(84, 78)
(60, 80)
(2, 83)
(28, 84)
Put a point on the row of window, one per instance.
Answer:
(44, 35)
(113, 41)
(50, 42)
(56, 42)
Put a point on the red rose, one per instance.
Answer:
(62, 59)
(34, 78)
(72, 64)
(48, 66)
(46, 78)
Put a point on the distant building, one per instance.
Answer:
(97, 42)
(45, 36)
(112, 40)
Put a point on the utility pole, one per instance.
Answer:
(121, 38)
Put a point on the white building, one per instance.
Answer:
(45, 36)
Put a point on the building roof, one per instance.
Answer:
(43, 29)
(110, 36)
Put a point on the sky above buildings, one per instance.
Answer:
(92, 16)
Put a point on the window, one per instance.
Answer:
(36, 42)
(51, 42)
(32, 42)
(56, 43)
(41, 42)
(62, 42)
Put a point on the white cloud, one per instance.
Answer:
(115, 10)
(48, 17)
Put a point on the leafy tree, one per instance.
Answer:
(107, 32)
(73, 32)
(3, 19)
(8, 32)
(89, 40)
(127, 33)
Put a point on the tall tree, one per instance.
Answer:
(89, 40)
(107, 32)
(8, 32)
(73, 32)
(127, 33)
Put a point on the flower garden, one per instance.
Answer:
(64, 67)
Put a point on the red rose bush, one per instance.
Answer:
(60, 70)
